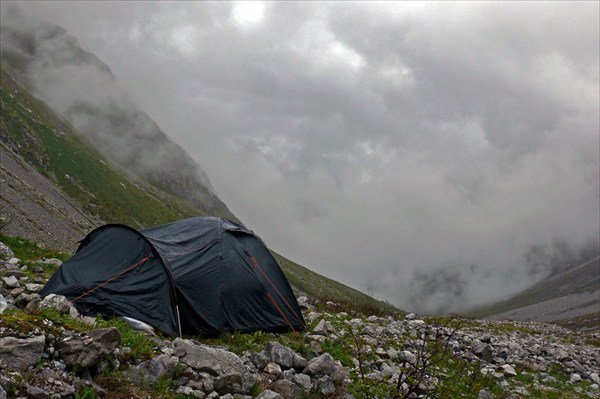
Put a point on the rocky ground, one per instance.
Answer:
(48, 351)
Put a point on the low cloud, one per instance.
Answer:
(418, 151)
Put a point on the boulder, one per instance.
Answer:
(284, 356)
(87, 349)
(287, 389)
(147, 373)
(268, 394)
(18, 354)
(228, 369)
(320, 366)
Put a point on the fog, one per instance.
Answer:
(421, 152)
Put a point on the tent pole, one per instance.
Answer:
(178, 320)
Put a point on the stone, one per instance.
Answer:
(85, 351)
(484, 352)
(268, 394)
(273, 369)
(325, 386)
(217, 362)
(320, 328)
(52, 261)
(259, 359)
(5, 251)
(3, 304)
(60, 303)
(320, 366)
(287, 389)
(37, 392)
(509, 370)
(229, 382)
(303, 381)
(485, 394)
(14, 261)
(147, 373)
(11, 282)
(410, 316)
(575, 377)
(284, 356)
(18, 354)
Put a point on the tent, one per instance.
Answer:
(203, 275)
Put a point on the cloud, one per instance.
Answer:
(418, 151)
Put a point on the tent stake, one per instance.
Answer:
(178, 320)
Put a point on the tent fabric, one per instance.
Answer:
(203, 275)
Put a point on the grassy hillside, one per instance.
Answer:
(66, 158)
(584, 278)
(326, 289)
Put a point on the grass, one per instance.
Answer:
(27, 250)
(325, 289)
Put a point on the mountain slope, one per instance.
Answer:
(572, 297)
(49, 62)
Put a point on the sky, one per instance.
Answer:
(419, 152)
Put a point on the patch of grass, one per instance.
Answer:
(27, 250)
(86, 392)
(142, 347)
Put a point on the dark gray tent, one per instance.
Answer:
(202, 275)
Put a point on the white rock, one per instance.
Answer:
(509, 370)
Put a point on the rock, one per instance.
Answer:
(3, 304)
(18, 354)
(14, 261)
(36, 392)
(87, 350)
(325, 386)
(410, 316)
(60, 303)
(575, 377)
(11, 282)
(303, 381)
(303, 303)
(284, 356)
(268, 394)
(287, 389)
(320, 328)
(484, 352)
(5, 251)
(147, 373)
(509, 370)
(33, 288)
(259, 359)
(230, 382)
(485, 394)
(219, 363)
(52, 261)
(320, 366)
(273, 369)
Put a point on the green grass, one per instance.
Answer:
(325, 289)
(27, 250)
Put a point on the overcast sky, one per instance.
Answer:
(416, 151)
